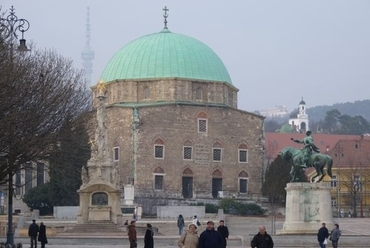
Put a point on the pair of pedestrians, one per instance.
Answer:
(209, 238)
(37, 233)
(323, 235)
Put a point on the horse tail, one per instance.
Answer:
(330, 165)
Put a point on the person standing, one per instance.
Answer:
(33, 230)
(148, 238)
(42, 235)
(224, 232)
(190, 238)
(335, 234)
(210, 238)
(322, 235)
(180, 224)
(262, 239)
(132, 234)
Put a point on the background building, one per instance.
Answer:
(300, 123)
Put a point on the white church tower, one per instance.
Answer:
(300, 124)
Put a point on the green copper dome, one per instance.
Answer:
(166, 55)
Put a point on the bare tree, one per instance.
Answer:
(40, 93)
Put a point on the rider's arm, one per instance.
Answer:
(297, 141)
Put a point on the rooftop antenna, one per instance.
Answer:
(88, 54)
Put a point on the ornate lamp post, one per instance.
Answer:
(10, 26)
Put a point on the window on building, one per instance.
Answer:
(116, 153)
(202, 125)
(158, 182)
(243, 185)
(188, 150)
(28, 177)
(40, 174)
(146, 92)
(198, 93)
(334, 202)
(159, 149)
(202, 122)
(243, 153)
(217, 152)
(333, 181)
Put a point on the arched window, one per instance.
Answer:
(146, 92)
(243, 153)
(198, 93)
(159, 149)
(243, 182)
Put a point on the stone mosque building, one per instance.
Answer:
(174, 127)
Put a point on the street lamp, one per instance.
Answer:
(10, 26)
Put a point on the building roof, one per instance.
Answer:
(351, 153)
(166, 55)
(275, 142)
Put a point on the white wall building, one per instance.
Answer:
(301, 122)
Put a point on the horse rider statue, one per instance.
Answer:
(309, 145)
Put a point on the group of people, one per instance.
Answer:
(323, 236)
(37, 233)
(209, 238)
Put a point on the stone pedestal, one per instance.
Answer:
(307, 206)
(129, 194)
(108, 209)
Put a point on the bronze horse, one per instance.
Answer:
(317, 160)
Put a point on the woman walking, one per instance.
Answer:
(42, 235)
(148, 238)
(190, 238)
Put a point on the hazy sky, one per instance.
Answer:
(276, 51)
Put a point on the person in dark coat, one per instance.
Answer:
(132, 234)
(148, 238)
(210, 238)
(42, 235)
(262, 239)
(322, 235)
(224, 232)
(33, 230)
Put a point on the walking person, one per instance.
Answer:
(148, 238)
(335, 234)
(262, 239)
(33, 230)
(224, 232)
(180, 224)
(190, 238)
(42, 235)
(132, 234)
(210, 238)
(322, 236)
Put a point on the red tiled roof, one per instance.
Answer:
(275, 142)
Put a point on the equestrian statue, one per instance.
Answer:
(304, 158)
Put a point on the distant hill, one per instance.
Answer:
(350, 108)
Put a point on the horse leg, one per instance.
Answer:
(322, 174)
(292, 173)
(317, 173)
